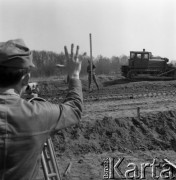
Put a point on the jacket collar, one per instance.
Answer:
(5, 91)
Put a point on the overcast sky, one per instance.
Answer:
(117, 26)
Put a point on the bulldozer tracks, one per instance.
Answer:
(110, 95)
(120, 96)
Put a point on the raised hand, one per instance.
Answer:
(73, 63)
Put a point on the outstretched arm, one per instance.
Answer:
(70, 110)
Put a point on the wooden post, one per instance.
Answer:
(91, 60)
(138, 112)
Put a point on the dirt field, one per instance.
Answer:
(134, 120)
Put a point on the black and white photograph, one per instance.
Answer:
(87, 89)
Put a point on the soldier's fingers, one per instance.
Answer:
(66, 52)
(77, 51)
(72, 46)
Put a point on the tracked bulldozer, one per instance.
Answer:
(142, 64)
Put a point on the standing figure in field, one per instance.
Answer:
(93, 75)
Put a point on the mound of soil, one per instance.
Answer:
(151, 132)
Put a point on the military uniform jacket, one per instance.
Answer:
(25, 127)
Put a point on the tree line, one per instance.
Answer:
(45, 62)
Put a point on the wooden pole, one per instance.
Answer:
(91, 60)
(138, 112)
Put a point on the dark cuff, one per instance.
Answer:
(74, 83)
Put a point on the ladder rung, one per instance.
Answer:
(52, 174)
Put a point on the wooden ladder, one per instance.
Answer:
(49, 162)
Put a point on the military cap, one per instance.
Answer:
(14, 53)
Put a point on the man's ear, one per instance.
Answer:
(25, 79)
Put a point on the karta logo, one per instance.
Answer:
(118, 168)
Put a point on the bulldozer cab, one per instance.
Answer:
(139, 59)
(144, 64)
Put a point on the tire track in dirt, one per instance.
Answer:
(120, 96)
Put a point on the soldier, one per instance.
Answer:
(93, 75)
(25, 126)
